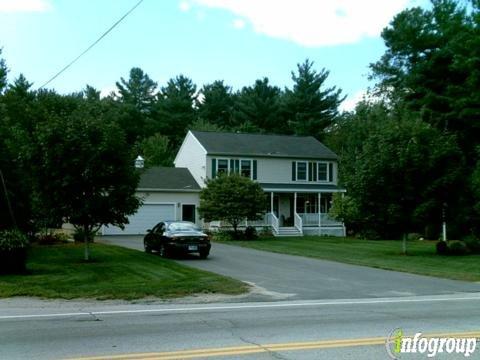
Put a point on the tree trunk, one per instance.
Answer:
(235, 225)
(86, 241)
(404, 244)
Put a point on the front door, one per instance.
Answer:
(188, 212)
(285, 205)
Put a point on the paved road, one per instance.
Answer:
(293, 277)
(70, 329)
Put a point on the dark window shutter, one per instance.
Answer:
(254, 169)
(315, 171)
(237, 166)
(294, 171)
(310, 171)
(232, 166)
(330, 172)
(214, 168)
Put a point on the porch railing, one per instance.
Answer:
(312, 219)
(273, 221)
(298, 222)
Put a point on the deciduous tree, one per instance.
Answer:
(84, 170)
(232, 198)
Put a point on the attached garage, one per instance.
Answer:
(167, 194)
(146, 217)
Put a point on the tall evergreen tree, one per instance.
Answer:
(174, 110)
(259, 107)
(215, 106)
(138, 90)
(3, 73)
(310, 108)
(91, 94)
(432, 63)
(136, 99)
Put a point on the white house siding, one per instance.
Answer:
(272, 170)
(192, 155)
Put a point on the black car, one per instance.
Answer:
(176, 237)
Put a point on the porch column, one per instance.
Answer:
(271, 202)
(343, 224)
(294, 203)
(319, 213)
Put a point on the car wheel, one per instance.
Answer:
(147, 248)
(204, 254)
(162, 251)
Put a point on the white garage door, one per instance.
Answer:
(147, 216)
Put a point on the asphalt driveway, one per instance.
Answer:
(281, 277)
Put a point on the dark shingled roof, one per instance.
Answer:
(167, 178)
(218, 143)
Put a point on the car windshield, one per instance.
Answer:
(180, 226)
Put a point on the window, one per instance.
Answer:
(159, 228)
(222, 166)
(301, 171)
(322, 171)
(246, 168)
(182, 226)
(307, 203)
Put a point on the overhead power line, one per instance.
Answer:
(92, 45)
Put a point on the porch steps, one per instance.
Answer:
(288, 231)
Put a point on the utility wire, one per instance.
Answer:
(92, 45)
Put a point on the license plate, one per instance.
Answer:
(192, 247)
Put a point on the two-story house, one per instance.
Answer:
(299, 175)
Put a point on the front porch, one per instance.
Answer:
(299, 213)
(295, 214)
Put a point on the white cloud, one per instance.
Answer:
(238, 24)
(9, 6)
(108, 90)
(184, 6)
(313, 23)
(351, 101)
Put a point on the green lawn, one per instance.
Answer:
(115, 273)
(384, 254)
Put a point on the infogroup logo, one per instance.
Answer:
(398, 344)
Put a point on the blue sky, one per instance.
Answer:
(234, 40)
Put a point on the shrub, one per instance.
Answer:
(266, 232)
(222, 235)
(368, 234)
(13, 240)
(13, 251)
(457, 248)
(51, 239)
(442, 248)
(79, 235)
(414, 236)
(473, 243)
(250, 233)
